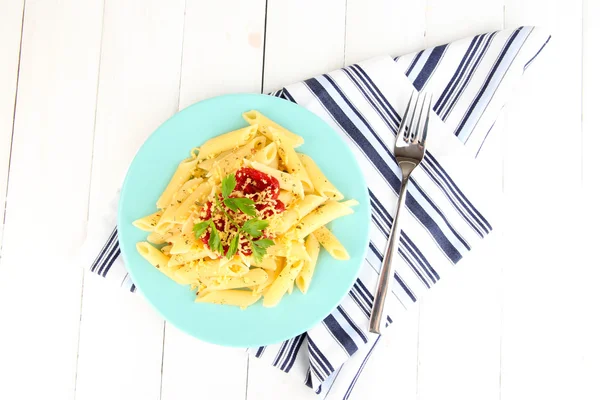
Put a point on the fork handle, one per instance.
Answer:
(387, 267)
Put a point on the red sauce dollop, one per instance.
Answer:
(263, 190)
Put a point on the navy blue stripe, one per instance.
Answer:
(396, 276)
(360, 369)
(536, 54)
(404, 287)
(287, 365)
(488, 80)
(444, 175)
(352, 324)
(319, 357)
(288, 95)
(366, 291)
(380, 207)
(375, 251)
(386, 232)
(359, 115)
(359, 303)
(435, 231)
(414, 62)
(365, 295)
(469, 76)
(391, 111)
(260, 351)
(108, 244)
(352, 131)
(368, 98)
(111, 262)
(430, 65)
(454, 80)
(282, 350)
(416, 253)
(357, 136)
(439, 212)
(308, 379)
(484, 139)
(450, 196)
(109, 255)
(340, 334)
(415, 269)
(133, 288)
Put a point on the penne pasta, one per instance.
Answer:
(239, 298)
(292, 250)
(290, 159)
(305, 276)
(295, 213)
(156, 258)
(244, 217)
(322, 215)
(286, 181)
(267, 155)
(282, 283)
(331, 243)
(255, 117)
(235, 159)
(149, 222)
(227, 141)
(182, 175)
(321, 184)
(254, 277)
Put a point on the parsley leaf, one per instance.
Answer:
(200, 228)
(230, 203)
(259, 248)
(254, 227)
(233, 246)
(246, 206)
(264, 243)
(214, 241)
(258, 252)
(227, 185)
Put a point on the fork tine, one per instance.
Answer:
(418, 133)
(403, 124)
(426, 125)
(412, 130)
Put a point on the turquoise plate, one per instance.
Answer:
(149, 174)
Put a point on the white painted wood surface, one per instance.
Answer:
(82, 84)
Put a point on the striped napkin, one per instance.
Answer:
(447, 205)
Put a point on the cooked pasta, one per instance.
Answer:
(244, 217)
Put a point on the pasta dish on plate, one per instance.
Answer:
(244, 217)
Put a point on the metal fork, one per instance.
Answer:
(409, 150)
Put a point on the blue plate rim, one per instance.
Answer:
(152, 137)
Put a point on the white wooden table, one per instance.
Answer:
(84, 82)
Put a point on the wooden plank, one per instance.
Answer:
(10, 44)
(304, 39)
(392, 367)
(40, 288)
(381, 27)
(191, 365)
(452, 20)
(547, 272)
(590, 212)
(395, 28)
(233, 43)
(234, 65)
(459, 327)
(591, 83)
(138, 89)
(120, 349)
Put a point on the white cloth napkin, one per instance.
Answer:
(448, 204)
